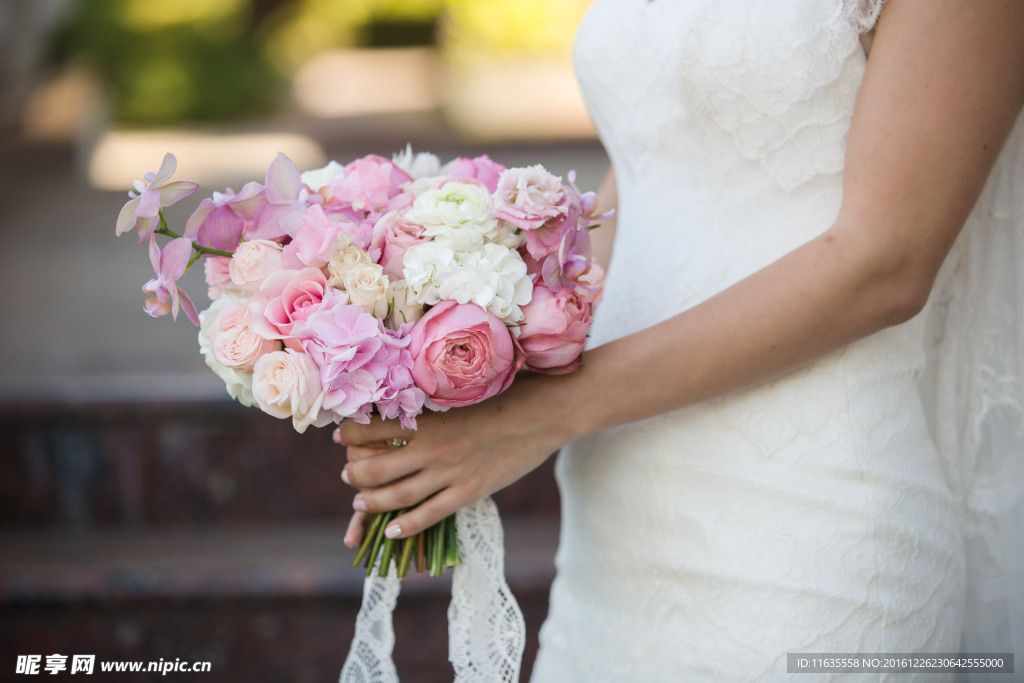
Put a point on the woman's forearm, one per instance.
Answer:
(828, 293)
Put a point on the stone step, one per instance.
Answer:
(276, 603)
(84, 464)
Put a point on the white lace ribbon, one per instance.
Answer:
(486, 629)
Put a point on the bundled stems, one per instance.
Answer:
(435, 549)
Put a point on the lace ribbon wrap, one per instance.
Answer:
(486, 629)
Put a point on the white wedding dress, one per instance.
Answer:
(869, 502)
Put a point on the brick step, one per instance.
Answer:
(270, 604)
(189, 463)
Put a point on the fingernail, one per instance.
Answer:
(336, 436)
(359, 505)
(393, 531)
(344, 477)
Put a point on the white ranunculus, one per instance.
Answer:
(457, 215)
(319, 177)
(239, 383)
(421, 165)
(424, 267)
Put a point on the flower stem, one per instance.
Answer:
(385, 518)
(164, 230)
(368, 538)
(403, 563)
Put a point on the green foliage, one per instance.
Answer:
(198, 60)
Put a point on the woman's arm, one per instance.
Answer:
(943, 87)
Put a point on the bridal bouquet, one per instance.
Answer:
(381, 286)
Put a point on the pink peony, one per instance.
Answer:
(289, 297)
(462, 354)
(481, 168)
(555, 330)
(393, 234)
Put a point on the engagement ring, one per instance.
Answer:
(398, 442)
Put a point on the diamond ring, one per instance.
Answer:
(398, 442)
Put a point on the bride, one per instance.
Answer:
(781, 437)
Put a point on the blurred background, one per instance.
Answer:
(145, 516)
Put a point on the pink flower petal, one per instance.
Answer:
(166, 169)
(283, 181)
(127, 218)
(176, 191)
(174, 258)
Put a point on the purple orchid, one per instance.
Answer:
(287, 200)
(169, 264)
(218, 223)
(142, 211)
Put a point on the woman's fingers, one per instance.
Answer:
(351, 433)
(400, 494)
(428, 513)
(382, 469)
(354, 533)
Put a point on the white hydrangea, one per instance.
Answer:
(425, 265)
(493, 277)
(239, 383)
(457, 216)
(319, 177)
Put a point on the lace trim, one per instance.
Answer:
(486, 629)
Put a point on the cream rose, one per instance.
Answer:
(367, 287)
(287, 384)
(238, 383)
(404, 307)
(233, 342)
(253, 261)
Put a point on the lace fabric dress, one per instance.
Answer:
(869, 502)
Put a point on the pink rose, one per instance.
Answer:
(555, 329)
(481, 168)
(253, 261)
(530, 197)
(393, 234)
(462, 354)
(289, 297)
(233, 342)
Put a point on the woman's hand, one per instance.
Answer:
(452, 459)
